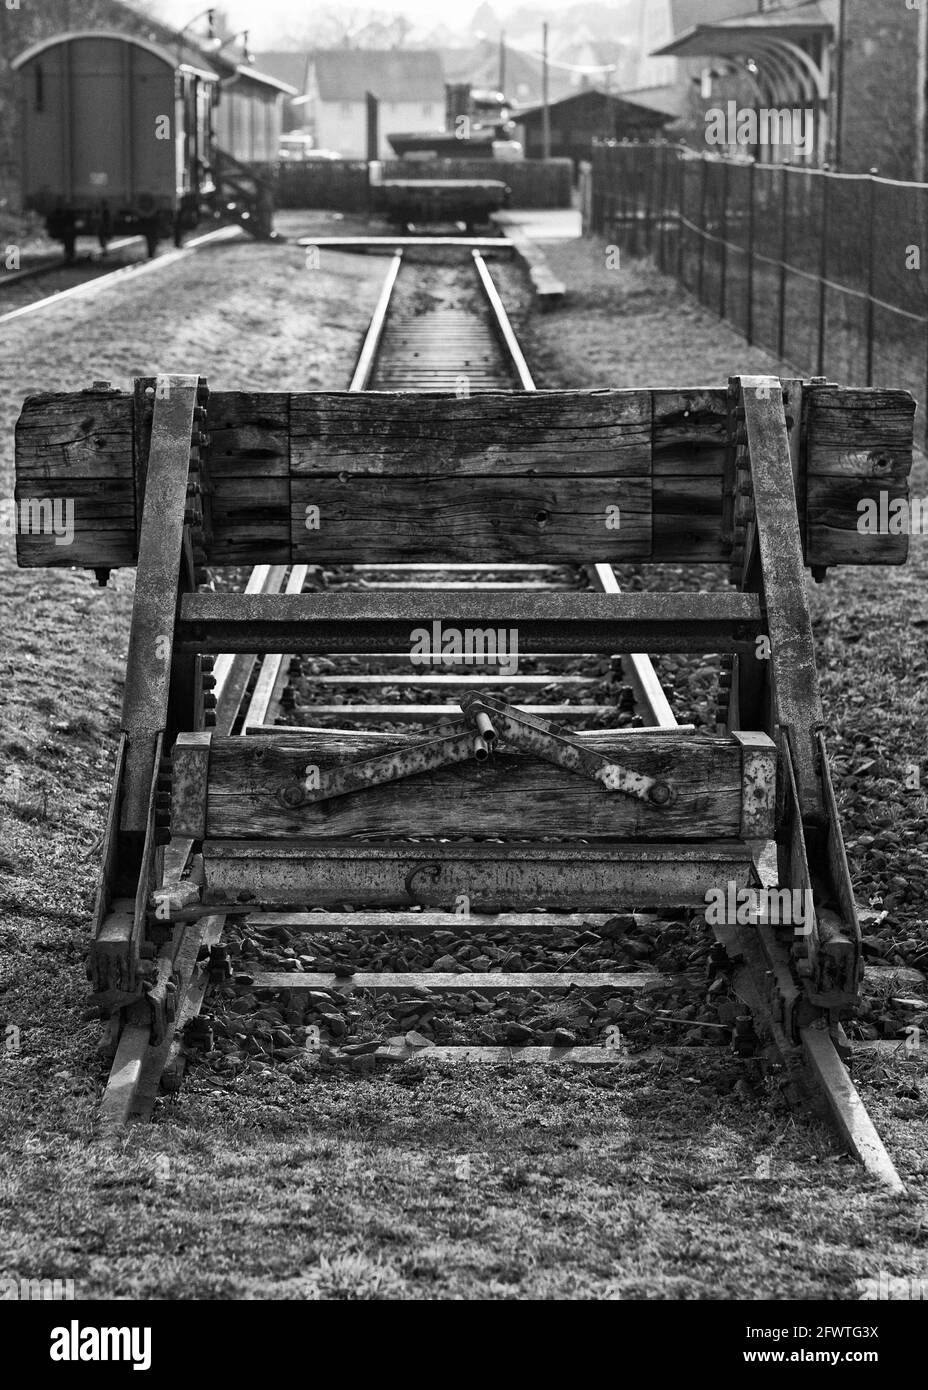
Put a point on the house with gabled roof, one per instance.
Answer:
(409, 85)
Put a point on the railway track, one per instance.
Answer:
(462, 341)
(90, 273)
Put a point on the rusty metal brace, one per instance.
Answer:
(485, 722)
(549, 741)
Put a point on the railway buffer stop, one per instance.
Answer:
(761, 478)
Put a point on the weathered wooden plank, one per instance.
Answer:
(490, 877)
(436, 679)
(846, 422)
(74, 456)
(190, 781)
(542, 432)
(855, 443)
(859, 445)
(490, 982)
(425, 923)
(431, 714)
(758, 790)
(79, 434)
(250, 519)
(249, 468)
(490, 518)
(840, 533)
(256, 787)
(520, 1056)
(249, 434)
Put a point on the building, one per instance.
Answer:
(576, 121)
(250, 116)
(409, 85)
(859, 67)
(291, 70)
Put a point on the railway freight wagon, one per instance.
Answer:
(119, 136)
(249, 119)
(116, 136)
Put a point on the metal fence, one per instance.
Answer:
(823, 270)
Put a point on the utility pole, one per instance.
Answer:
(921, 94)
(502, 61)
(545, 112)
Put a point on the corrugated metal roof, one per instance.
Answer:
(392, 74)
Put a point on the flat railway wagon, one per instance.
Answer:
(118, 138)
(423, 201)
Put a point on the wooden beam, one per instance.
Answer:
(78, 447)
(256, 787)
(576, 434)
(490, 982)
(415, 924)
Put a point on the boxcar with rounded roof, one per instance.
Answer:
(124, 136)
(115, 136)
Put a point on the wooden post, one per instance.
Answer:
(723, 242)
(752, 188)
(823, 276)
(681, 202)
(373, 127)
(871, 274)
(784, 246)
(545, 111)
(703, 187)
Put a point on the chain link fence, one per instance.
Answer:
(823, 270)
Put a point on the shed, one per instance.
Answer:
(592, 114)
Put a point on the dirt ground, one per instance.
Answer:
(688, 1180)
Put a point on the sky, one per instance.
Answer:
(270, 19)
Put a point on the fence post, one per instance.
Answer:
(871, 277)
(752, 180)
(823, 275)
(723, 251)
(681, 203)
(702, 226)
(784, 247)
(660, 155)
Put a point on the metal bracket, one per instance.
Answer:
(485, 723)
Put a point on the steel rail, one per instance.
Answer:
(124, 273)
